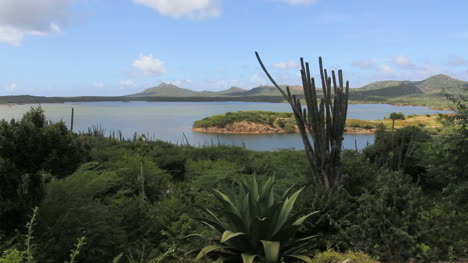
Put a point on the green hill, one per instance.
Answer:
(437, 83)
(232, 90)
(169, 90)
(434, 84)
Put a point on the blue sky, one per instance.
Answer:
(118, 47)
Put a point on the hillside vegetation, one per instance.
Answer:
(105, 200)
(284, 122)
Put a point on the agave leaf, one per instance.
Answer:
(286, 210)
(287, 191)
(207, 250)
(271, 249)
(225, 198)
(301, 257)
(213, 225)
(301, 220)
(228, 235)
(214, 217)
(304, 239)
(297, 248)
(246, 258)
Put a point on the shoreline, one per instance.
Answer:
(244, 128)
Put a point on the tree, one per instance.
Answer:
(321, 125)
(396, 116)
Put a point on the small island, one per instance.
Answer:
(267, 122)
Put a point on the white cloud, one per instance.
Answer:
(455, 60)
(12, 88)
(98, 85)
(192, 9)
(149, 65)
(126, 83)
(33, 17)
(285, 65)
(299, 2)
(385, 69)
(11, 35)
(402, 60)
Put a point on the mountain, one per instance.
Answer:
(232, 90)
(434, 84)
(399, 90)
(437, 83)
(169, 90)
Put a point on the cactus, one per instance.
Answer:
(321, 125)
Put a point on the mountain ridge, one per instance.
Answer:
(387, 88)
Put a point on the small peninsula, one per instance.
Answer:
(266, 122)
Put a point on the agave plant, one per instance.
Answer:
(258, 226)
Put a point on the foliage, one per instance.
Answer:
(396, 116)
(386, 220)
(30, 149)
(282, 119)
(399, 150)
(331, 256)
(257, 225)
(413, 211)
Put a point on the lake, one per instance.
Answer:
(172, 121)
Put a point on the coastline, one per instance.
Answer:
(249, 128)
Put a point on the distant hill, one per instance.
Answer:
(428, 92)
(389, 91)
(434, 84)
(232, 90)
(170, 90)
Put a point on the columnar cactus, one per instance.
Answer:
(321, 124)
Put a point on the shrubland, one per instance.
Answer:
(402, 199)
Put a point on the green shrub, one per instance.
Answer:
(290, 128)
(354, 125)
(331, 256)
(385, 223)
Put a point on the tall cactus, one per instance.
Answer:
(321, 125)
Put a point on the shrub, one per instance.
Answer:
(331, 256)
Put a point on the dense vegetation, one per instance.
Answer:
(403, 199)
(286, 121)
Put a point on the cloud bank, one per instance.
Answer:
(191, 9)
(32, 17)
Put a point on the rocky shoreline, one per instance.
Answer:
(244, 127)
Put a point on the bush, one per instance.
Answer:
(331, 256)
(386, 220)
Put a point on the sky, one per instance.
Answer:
(119, 47)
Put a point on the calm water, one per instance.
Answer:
(171, 121)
